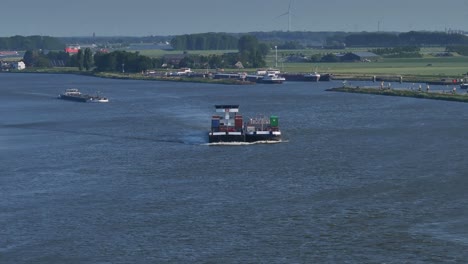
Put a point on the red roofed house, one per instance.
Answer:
(72, 49)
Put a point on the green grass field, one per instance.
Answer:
(443, 67)
(428, 65)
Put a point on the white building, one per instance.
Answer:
(184, 71)
(19, 65)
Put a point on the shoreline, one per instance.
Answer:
(137, 76)
(439, 80)
(402, 93)
(445, 80)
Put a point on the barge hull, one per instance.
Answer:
(254, 138)
(82, 99)
(226, 138)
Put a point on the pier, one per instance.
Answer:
(419, 93)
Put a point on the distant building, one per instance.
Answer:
(184, 71)
(72, 49)
(363, 56)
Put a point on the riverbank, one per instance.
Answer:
(200, 78)
(139, 76)
(136, 76)
(429, 79)
(404, 93)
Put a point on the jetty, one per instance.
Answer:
(423, 94)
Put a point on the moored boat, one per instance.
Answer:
(271, 77)
(312, 77)
(463, 85)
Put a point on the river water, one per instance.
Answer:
(357, 179)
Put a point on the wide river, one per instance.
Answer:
(357, 179)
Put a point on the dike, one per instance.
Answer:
(404, 93)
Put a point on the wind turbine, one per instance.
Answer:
(289, 15)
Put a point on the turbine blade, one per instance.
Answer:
(282, 15)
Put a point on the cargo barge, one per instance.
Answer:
(307, 77)
(293, 77)
(230, 127)
(262, 129)
(77, 96)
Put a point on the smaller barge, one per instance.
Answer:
(230, 127)
(262, 129)
(77, 96)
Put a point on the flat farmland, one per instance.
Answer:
(428, 65)
(451, 66)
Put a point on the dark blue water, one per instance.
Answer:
(359, 178)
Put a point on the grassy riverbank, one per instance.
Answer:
(429, 69)
(137, 76)
(134, 76)
(405, 93)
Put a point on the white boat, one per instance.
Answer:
(98, 99)
(271, 77)
(314, 77)
(464, 86)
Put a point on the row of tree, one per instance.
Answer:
(251, 54)
(205, 41)
(299, 40)
(116, 61)
(462, 50)
(225, 41)
(41, 59)
(31, 43)
(412, 38)
(122, 61)
(399, 52)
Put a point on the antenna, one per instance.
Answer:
(380, 23)
(289, 15)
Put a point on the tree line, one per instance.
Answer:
(299, 40)
(462, 50)
(230, 41)
(398, 52)
(251, 54)
(30, 43)
(412, 38)
(205, 41)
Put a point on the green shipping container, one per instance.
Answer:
(273, 121)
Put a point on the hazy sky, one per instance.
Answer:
(173, 17)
